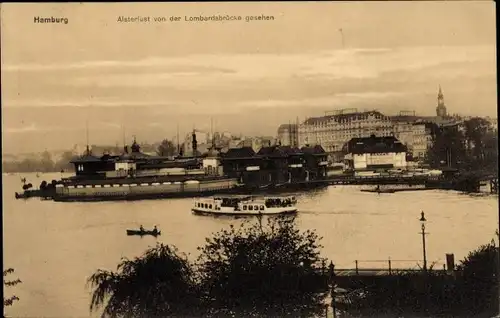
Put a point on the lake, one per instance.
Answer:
(54, 247)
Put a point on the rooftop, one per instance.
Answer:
(242, 152)
(374, 144)
(341, 117)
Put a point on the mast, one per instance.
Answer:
(123, 135)
(212, 132)
(297, 132)
(87, 133)
(290, 132)
(178, 144)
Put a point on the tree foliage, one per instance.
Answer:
(472, 146)
(157, 284)
(470, 291)
(43, 164)
(250, 271)
(166, 148)
(262, 271)
(478, 280)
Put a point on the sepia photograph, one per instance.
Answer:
(250, 159)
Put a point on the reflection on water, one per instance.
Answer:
(55, 247)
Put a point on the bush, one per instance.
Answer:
(262, 271)
(157, 284)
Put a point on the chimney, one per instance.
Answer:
(195, 143)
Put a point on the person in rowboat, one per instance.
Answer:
(141, 228)
(155, 230)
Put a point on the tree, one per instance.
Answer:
(475, 131)
(447, 147)
(46, 163)
(478, 281)
(64, 162)
(10, 300)
(157, 284)
(166, 148)
(475, 147)
(262, 271)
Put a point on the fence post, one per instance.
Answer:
(390, 268)
(357, 272)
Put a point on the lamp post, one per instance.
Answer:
(423, 233)
(331, 274)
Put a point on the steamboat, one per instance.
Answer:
(245, 205)
(135, 176)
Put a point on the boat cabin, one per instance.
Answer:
(280, 202)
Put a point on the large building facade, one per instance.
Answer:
(334, 129)
(416, 136)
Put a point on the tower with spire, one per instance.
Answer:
(441, 108)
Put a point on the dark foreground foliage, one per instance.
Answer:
(262, 271)
(470, 291)
(157, 284)
(247, 272)
(276, 270)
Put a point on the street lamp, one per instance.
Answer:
(423, 233)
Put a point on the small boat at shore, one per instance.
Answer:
(379, 190)
(245, 205)
(144, 232)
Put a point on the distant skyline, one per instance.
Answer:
(250, 77)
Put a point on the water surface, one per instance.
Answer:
(55, 246)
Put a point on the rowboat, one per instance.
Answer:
(144, 232)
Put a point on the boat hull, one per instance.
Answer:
(243, 213)
(379, 191)
(143, 233)
(146, 192)
(141, 196)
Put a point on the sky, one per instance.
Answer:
(147, 78)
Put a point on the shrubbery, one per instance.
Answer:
(276, 270)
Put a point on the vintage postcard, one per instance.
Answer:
(254, 159)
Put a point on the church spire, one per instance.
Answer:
(441, 108)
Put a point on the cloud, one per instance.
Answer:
(231, 83)
(337, 100)
(85, 103)
(176, 64)
(211, 71)
(22, 129)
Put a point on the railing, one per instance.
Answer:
(388, 267)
